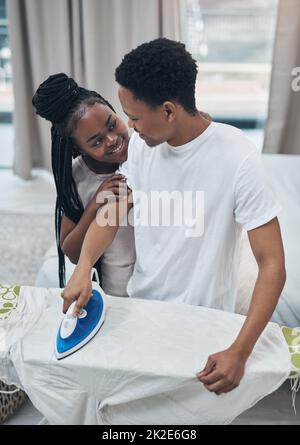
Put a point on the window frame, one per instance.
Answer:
(244, 123)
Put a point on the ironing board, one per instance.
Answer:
(141, 366)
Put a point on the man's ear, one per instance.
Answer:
(170, 110)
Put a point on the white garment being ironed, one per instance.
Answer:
(177, 261)
(118, 260)
(140, 368)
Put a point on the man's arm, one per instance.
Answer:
(98, 238)
(72, 234)
(224, 370)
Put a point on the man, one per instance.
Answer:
(218, 174)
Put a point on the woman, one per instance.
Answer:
(89, 142)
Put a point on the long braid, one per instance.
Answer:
(59, 100)
(68, 201)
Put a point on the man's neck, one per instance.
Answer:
(191, 127)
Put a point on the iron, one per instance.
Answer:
(75, 332)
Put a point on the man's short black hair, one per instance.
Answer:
(158, 71)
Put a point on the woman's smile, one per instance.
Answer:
(119, 148)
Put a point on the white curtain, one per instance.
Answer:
(83, 38)
(283, 131)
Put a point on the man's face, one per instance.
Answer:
(151, 123)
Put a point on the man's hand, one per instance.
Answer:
(223, 371)
(78, 288)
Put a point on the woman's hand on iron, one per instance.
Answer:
(79, 289)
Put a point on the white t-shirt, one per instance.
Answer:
(180, 262)
(118, 260)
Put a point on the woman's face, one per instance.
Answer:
(101, 135)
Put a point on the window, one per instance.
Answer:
(232, 41)
(6, 92)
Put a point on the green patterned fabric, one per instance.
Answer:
(9, 296)
(292, 337)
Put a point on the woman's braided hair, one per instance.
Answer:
(62, 102)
